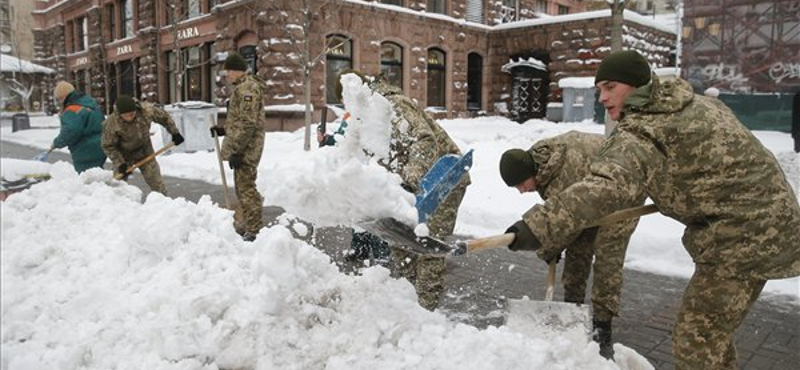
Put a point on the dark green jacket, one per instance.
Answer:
(81, 130)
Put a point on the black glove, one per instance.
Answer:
(407, 187)
(177, 138)
(523, 237)
(123, 170)
(235, 161)
(552, 258)
(219, 130)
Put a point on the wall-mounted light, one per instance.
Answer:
(700, 22)
(713, 29)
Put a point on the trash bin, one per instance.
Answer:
(20, 121)
(193, 120)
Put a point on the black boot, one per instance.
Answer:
(601, 333)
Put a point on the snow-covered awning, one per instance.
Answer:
(10, 63)
(530, 62)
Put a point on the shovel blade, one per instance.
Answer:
(399, 235)
(538, 316)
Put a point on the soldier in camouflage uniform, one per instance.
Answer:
(244, 142)
(701, 167)
(548, 167)
(126, 138)
(417, 142)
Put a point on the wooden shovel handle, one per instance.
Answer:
(144, 161)
(221, 166)
(551, 281)
(503, 240)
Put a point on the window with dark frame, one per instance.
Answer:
(437, 69)
(563, 9)
(392, 64)
(338, 57)
(437, 6)
(112, 22)
(474, 81)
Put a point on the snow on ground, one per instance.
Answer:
(93, 278)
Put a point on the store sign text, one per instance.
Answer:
(188, 33)
(124, 49)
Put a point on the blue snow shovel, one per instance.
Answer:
(440, 180)
(42, 157)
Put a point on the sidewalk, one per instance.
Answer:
(477, 285)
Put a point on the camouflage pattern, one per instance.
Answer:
(564, 160)
(129, 142)
(703, 168)
(244, 135)
(424, 271)
(713, 308)
(417, 141)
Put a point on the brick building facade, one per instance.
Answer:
(451, 56)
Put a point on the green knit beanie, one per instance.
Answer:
(628, 67)
(339, 80)
(235, 62)
(126, 104)
(516, 166)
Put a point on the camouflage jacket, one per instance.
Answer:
(417, 141)
(126, 142)
(564, 160)
(700, 166)
(244, 125)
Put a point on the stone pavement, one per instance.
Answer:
(478, 284)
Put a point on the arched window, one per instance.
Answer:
(437, 69)
(250, 54)
(338, 57)
(392, 63)
(474, 81)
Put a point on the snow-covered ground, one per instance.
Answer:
(94, 279)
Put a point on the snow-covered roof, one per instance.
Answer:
(10, 63)
(530, 62)
(627, 15)
(577, 82)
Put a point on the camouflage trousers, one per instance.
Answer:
(608, 246)
(425, 272)
(251, 202)
(152, 175)
(712, 310)
(442, 222)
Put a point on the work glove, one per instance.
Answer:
(407, 187)
(177, 138)
(523, 237)
(123, 170)
(550, 257)
(218, 130)
(235, 161)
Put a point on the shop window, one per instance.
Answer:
(126, 73)
(437, 6)
(338, 57)
(251, 56)
(392, 63)
(193, 84)
(111, 69)
(437, 70)
(474, 79)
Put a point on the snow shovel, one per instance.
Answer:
(503, 240)
(440, 180)
(525, 315)
(144, 161)
(221, 168)
(42, 157)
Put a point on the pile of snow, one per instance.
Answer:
(344, 184)
(95, 279)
